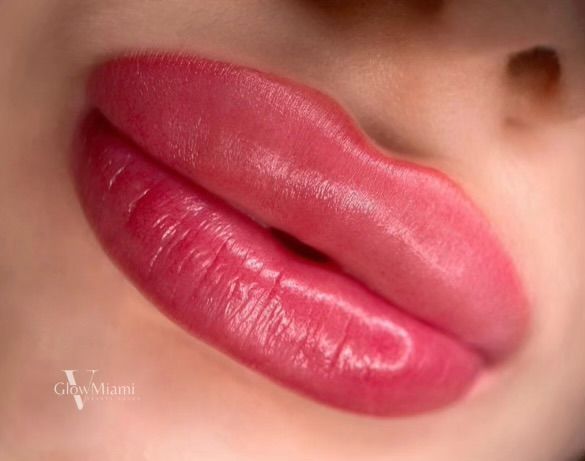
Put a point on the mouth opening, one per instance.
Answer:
(299, 248)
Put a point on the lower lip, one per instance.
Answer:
(230, 282)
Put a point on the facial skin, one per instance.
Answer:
(455, 85)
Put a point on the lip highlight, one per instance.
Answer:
(195, 174)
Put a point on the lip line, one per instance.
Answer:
(483, 355)
(227, 154)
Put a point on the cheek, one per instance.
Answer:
(550, 218)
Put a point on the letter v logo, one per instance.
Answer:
(79, 400)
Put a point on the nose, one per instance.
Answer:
(415, 72)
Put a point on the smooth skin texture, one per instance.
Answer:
(458, 85)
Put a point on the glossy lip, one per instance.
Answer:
(184, 166)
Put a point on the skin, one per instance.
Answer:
(432, 78)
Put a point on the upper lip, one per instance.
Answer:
(407, 232)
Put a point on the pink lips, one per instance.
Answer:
(187, 166)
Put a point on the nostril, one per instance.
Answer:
(537, 70)
(299, 248)
(534, 82)
(430, 7)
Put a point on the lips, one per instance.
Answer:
(253, 212)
